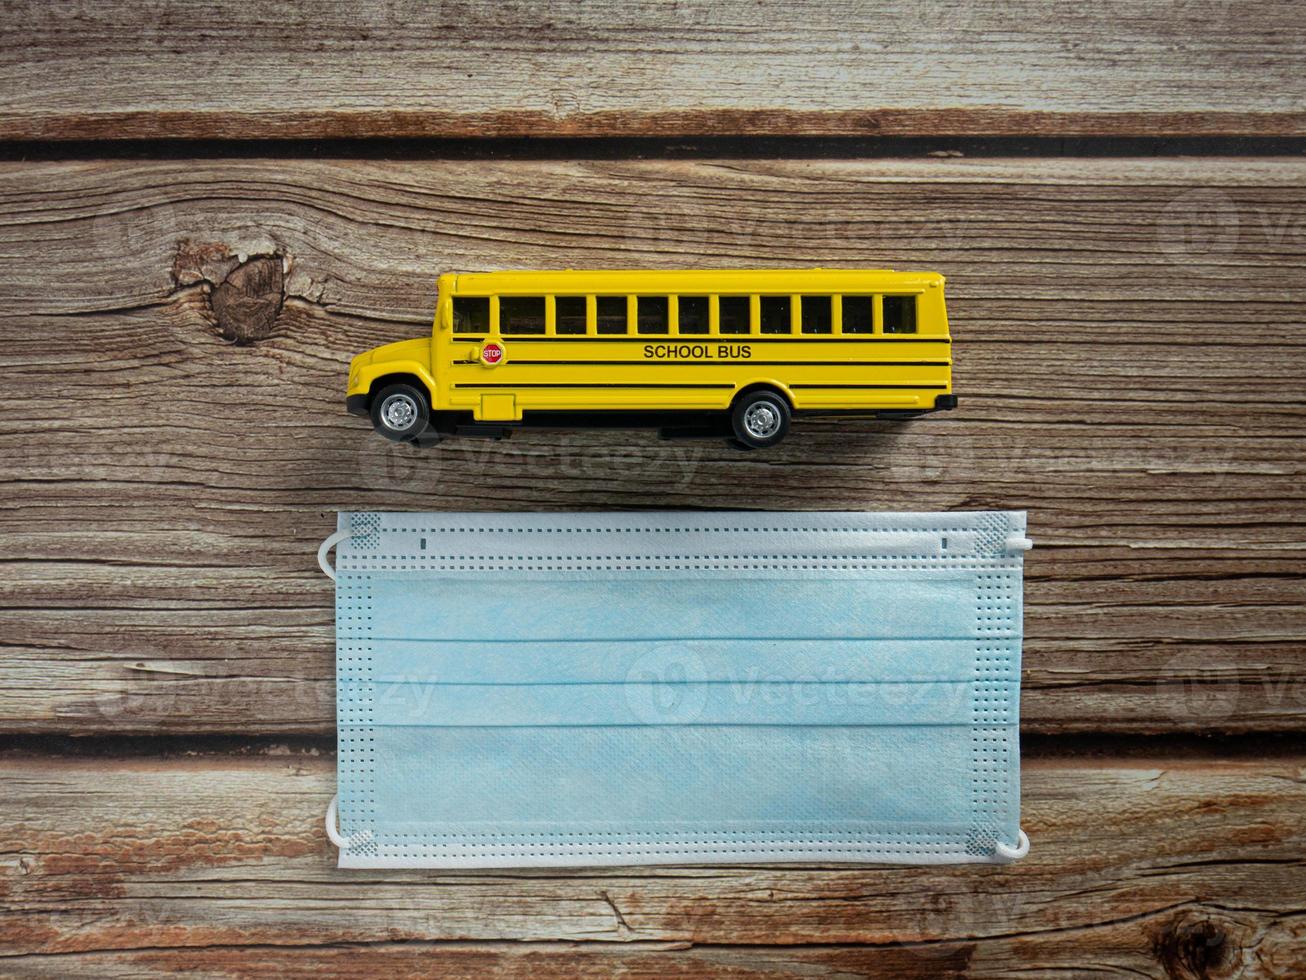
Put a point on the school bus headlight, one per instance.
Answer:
(353, 380)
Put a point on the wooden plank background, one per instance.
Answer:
(217, 863)
(1165, 593)
(176, 318)
(89, 70)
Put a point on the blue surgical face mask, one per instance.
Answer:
(581, 689)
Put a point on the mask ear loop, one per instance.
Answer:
(331, 541)
(1015, 544)
(333, 832)
(1003, 852)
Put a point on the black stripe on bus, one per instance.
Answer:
(597, 384)
(700, 338)
(710, 362)
(618, 384)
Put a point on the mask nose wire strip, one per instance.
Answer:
(342, 842)
(1003, 852)
(331, 541)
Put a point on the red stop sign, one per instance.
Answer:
(491, 353)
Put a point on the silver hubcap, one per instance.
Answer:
(398, 412)
(762, 420)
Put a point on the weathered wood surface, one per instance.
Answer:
(1129, 357)
(206, 70)
(219, 864)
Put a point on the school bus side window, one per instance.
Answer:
(733, 314)
(900, 314)
(816, 313)
(858, 314)
(693, 314)
(775, 314)
(471, 314)
(651, 314)
(521, 315)
(569, 315)
(610, 313)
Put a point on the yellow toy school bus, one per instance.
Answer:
(738, 352)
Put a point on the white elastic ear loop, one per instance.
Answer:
(331, 541)
(334, 833)
(1003, 852)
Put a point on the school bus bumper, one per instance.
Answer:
(945, 402)
(356, 405)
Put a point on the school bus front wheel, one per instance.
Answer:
(400, 411)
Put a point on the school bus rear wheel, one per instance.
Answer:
(760, 418)
(400, 411)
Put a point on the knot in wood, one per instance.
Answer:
(1192, 949)
(249, 299)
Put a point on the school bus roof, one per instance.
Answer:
(692, 280)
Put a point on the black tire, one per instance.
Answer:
(760, 418)
(400, 412)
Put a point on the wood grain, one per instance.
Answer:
(1129, 356)
(219, 864)
(480, 68)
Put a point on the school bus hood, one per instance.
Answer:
(412, 357)
(405, 350)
